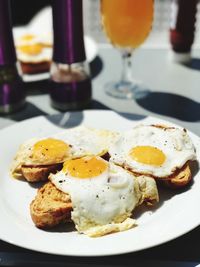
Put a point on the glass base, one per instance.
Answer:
(126, 90)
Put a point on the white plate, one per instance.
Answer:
(177, 213)
(44, 18)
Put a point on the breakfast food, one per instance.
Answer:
(102, 195)
(50, 207)
(97, 178)
(37, 173)
(34, 52)
(38, 157)
(180, 178)
(157, 151)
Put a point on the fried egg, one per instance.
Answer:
(70, 143)
(88, 141)
(33, 48)
(153, 150)
(33, 38)
(103, 195)
(26, 39)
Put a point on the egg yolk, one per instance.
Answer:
(148, 155)
(33, 49)
(50, 151)
(86, 167)
(27, 37)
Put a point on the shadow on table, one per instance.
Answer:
(130, 116)
(171, 105)
(29, 111)
(95, 67)
(64, 119)
(194, 64)
(75, 118)
(98, 105)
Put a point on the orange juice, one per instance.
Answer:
(127, 22)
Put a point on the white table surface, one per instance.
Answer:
(155, 69)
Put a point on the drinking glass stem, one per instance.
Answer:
(126, 76)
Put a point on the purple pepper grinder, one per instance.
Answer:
(12, 94)
(70, 85)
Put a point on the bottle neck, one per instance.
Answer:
(7, 48)
(186, 16)
(68, 32)
(182, 28)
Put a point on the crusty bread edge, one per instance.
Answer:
(39, 173)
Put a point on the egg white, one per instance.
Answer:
(20, 40)
(83, 141)
(44, 56)
(175, 143)
(101, 204)
(88, 141)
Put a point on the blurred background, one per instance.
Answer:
(23, 11)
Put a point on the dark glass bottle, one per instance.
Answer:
(12, 94)
(70, 85)
(182, 29)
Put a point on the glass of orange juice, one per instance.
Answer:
(127, 24)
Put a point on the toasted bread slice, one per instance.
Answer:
(33, 68)
(180, 179)
(39, 173)
(50, 207)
